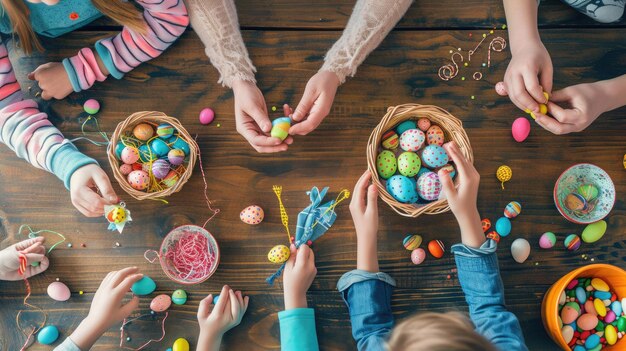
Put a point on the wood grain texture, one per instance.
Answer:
(181, 82)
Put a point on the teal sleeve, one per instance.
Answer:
(297, 330)
(71, 74)
(66, 160)
(107, 60)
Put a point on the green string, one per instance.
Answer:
(98, 131)
(33, 234)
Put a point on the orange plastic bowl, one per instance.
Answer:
(612, 275)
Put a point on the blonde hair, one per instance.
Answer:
(121, 12)
(451, 331)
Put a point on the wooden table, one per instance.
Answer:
(287, 41)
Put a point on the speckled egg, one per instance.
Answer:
(170, 179)
(390, 140)
(48, 335)
(160, 169)
(409, 164)
(116, 215)
(279, 254)
(404, 126)
(159, 147)
(436, 248)
(412, 242)
(143, 131)
(59, 291)
(161, 303)
(429, 186)
(572, 242)
(412, 140)
(423, 124)
(434, 156)
(179, 297)
(547, 240)
(503, 226)
(129, 155)
(493, 235)
(435, 136)
(588, 191)
(512, 209)
(402, 189)
(386, 164)
(143, 286)
(486, 223)
(448, 168)
(575, 202)
(165, 130)
(180, 345)
(139, 180)
(146, 154)
(418, 256)
(176, 157)
(520, 250)
(125, 169)
(252, 215)
(500, 89)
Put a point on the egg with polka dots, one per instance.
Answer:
(402, 189)
(434, 156)
(386, 164)
(409, 164)
(435, 136)
(252, 215)
(412, 140)
(279, 254)
(429, 186)
(139, 180)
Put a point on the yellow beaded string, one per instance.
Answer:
(283, 213)
(343, 195)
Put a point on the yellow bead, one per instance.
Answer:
(543, 109)
(547, 96)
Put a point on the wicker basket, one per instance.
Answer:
(153, 118)
(453, 131)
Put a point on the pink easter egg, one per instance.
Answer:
(91, 106)
(59, 291)
(418, 255)
(252, 215)
(429, 186)
(206, 116)
(139, 180)
(520, 129)
(161, 303)
(130, 155)
(501, 89)
(125, 169)
(412, 140)
(435, 135)
(423, 124)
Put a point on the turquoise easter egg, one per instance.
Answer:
(118, 149)
(143, 286)
(165, 130)
(402, 189)
(434, 156)
(159, 147)
(503, 226)
(179, 143)
(146, 155)
(594, 232)
(179, 297)
(404, 126)
(422, 171)
(215, 299)
(48, 335)
(386, 164)
(409, 164)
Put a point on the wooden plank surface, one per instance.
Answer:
(403, 70)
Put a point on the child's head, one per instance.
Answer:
(451, 331)
(120, 11)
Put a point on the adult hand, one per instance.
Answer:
(315, 103)
(53, 80)
(83, 185)
(298, 276)
(528, 75)
(34, 251)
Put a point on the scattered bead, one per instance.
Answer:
(128, 338)
(491, 32)
(57, 279)
(504, 26)
(484, 35)
(117, 244)
(69, 245)
(484, 64)
(472, 97)
(462, 78)
(81, 292)
(219, 125)
(274, 108)
(83, 245)
(451, 51)
(465, 64)
(459, 49)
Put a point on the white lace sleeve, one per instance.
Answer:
(370, 22)
(216, 23)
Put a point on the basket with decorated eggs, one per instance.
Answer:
(405, 151)
(152, 155)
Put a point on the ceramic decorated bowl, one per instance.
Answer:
(590, 208)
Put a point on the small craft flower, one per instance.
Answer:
(74, 16)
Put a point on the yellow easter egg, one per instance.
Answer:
(180, 345)
(117, 215)
(278, 254)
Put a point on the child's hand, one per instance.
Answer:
(528, 75)
(298, 276)
(225, 315)
(83, 186)
(364, 208)
(315, 103)
(53, 81)
(34, 251)
(252, 119)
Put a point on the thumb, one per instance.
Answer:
(106, 189)
(304, 106)
(447, 183)
(261, 118)
(372, 196)
(128, 308)
(31, 75)
(560, 96)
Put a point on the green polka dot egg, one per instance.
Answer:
(409, 164)
(386, 164)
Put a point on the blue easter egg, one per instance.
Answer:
(159, 147)
(48, 335)
(434, 156)
(179, 143)
(165, 131)
(616, 307)
(422, 171)
(146, 155)
(602, 295)
(503, 226)
(592, 341)
(404, 126)
(143, 286)
(215, 299)
(402, 189)
(579, 348)
(581, 294)
(118, 150)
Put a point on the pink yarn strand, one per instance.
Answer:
(147, 342)
(191, 257)
(206, 187)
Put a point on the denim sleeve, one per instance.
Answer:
(297, 330)
(368, 296)
(67, 345)
(480, 280)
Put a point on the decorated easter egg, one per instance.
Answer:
(409, 164)
(436, 248)
(493, 235)
(160, 169)
(520, 250)
(179, 297)
(412, 242)
(143, 131)
(159, 147)
(500, 89)
(418, 256)
(130, 155)
(429, 186)
(146, 154)
(572, 242)
(280, 128)
(165, 130)
(547, 240)
(435, 136)
(252, 214)
(486, 224)
(206, 116)
(118, 150)
(520, 129)
(170, 179)
(176, 157)
(179, 143)
(117, 215)
(91, 106)
(386, 164)
(48, 335)
(180, 345)
(423, 124)
(588, 191)
(58, 291)
(143, 286)
(512, 209)
(434, 156)
(138, 180)
(404, 126)
(390, 140)
(449, 169)
(503, 226)
(412, 140)
(279, 254)
(125, 169)
(575, 202)
(161, 303)
(594, 232)
(402, 189)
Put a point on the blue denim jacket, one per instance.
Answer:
(368, 296)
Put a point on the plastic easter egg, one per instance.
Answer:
(206, 116)
(252, 215)
(409, 164)
(48, 335)
(91, 106)
(434, 156)
(575, 202)
(117, 215)
(129, 155)
(572, 242)
(594, 232)
(216, 298)
(404, 126)
(436, 248)
(423, 124)
(503, 226)
(616, 307)
(386, 164)
(402, 189)
(422, 171)
(449, 169)
(493, 235)
(146, 154)
(435, 136)
(161, 303)
(179, 297)
(181, 144)
(412, 140)
(279, 254)
(592, 341)
(412, 242)
(159, 147)
(610, 334)
(390, 140)
(598, 305)
(180, 345)
(143, 131)
(165, 130)
(138, 180)
(520, 250)
(520, 129)
(418, 256)
(125, 169)
(170, 179)
(59, 291)
(621, 324)
(588, 191)
(610, 317)
(512, 209)
(280, 128)
(118, 150)
(429, 186)
(160, 169)
(547, 240)
(176, 157)
(143, 286)
(486, 224)
(568, 333)
(500, 89)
